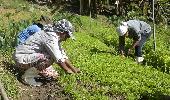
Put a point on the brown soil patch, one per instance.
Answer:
(50, 91)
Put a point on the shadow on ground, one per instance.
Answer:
(156, 96)
(52, 90)
(12, 69)
(95, 50)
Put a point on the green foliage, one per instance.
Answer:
(6, 77)
(160, 58)
(19, 5)
(105, 75)
(8, 34)
(10, 84)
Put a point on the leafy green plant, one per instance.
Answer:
(9, 34)
(6, 77)
(104, 74)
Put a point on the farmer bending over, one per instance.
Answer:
(37, 54)
(137, 30)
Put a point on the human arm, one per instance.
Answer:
(135, 42)
(136, 39)
(68, 67)
(74, 69)
(68, 63)
(122, 45)
(54, 49)
(64, 66)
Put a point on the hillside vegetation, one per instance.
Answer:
(105, 74)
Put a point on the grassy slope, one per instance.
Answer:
(13, 11)
(104, 73)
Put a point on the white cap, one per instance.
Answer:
(122, 29)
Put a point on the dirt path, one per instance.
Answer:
(50, 91)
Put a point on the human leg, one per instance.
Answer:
(138, 48)
(41, 67)
(138, 52)
(44, 65)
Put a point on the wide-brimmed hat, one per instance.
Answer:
(122, 29)
(64, 26)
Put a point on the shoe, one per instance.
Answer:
(29, 77)
(139, 59)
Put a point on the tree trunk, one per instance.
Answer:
(94, 8)
(81, 6)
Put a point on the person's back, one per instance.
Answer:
(23, 35)
(139, 26)
(30, 30)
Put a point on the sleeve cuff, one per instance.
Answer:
(61, 60)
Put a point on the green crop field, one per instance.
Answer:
(105, 75)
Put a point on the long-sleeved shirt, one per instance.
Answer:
(137, 28)
(40, 42)
(23, 35)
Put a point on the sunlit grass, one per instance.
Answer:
(104, 74)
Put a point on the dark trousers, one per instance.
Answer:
(138, 48)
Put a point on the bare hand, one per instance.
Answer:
(69, 71)
(73, 70)
(77, 70)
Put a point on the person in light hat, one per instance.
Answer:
(137, 30)
(37, 54)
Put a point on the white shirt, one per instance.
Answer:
(40, 43)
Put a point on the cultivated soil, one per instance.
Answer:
(51, 90)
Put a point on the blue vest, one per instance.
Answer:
(23, 35)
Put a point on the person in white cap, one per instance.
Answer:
(36, 55)
(137, 30)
